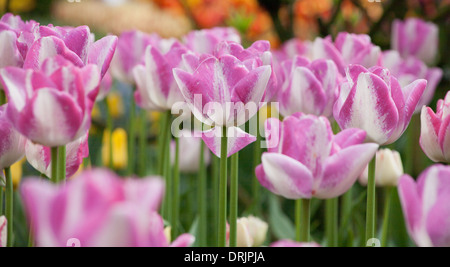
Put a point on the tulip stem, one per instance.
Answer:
(305, 220)
(223, 189)
(142, 144)
(256, 161)
(109, 129)
(167, 172)
(1, 200)
(202, 198)
(298, 227)
(371, 198)
(215, 189)
(161, 142)
(9, 206)
(61, 164)
(54, 152)
(131, 136)
(234, 188)
(176, 189)
(331, 206)
(387, 211)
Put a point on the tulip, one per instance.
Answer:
(40, 156)
(435, 131)
(408, 70)
(357, 49)
(308, 87)
(374, 101)
(251, 232)
(119, 149)
(35, 96)
(415, 37)
(130, 48)
(74, 44)
(205, 41)
(289, 243)
(12, 143)
(190, 143)
(109, 211)
(156, 87)
(306, 160)
(425, 206)
(3, 232)
(323, 48)
(388, 168)
(290, 49)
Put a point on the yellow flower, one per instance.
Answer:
(119, 148)
(267, 111)
(16, 173)
(115, 104)
(17, 6)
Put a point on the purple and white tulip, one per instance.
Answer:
(52, 106)
(40, 156)
(435, 131)
(374, 101)
(305, 160)
(415, 37)
(357, 49)
(98, 209)
(425, 206)
(12, 143)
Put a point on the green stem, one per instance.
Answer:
(305, 219)
(298, 226)
(161, 142)
(331, 206)
(165, 164)
(371, 198)
(215, 173)
(142, 144)
(1, 200)
(176, 190)
(202, 198)
(2, 97)
(256, 188)
(54, 152)
(9, 206)
(346, 209)
(131, 137)
(30, 238)
(109, 128)
(387, 211)
(234, 188)
(61, 164)
(223, 190)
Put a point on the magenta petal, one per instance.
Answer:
(412, 208)
(429, 135)
(184, 240)
(343, 169)
(349, 137)
(237, 140)
(148, 192)
(77, 40)
(101, 53)
(286, 177)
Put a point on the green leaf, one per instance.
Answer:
(281, 226)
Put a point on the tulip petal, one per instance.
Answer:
(148, 192)
(343, 169)
(237, 140)
(286, 176)
(77, 40)
(184, 240)
(349, 137)
(430, 127)
(9, 54)
(102, 52)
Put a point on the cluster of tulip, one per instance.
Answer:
(52, 76)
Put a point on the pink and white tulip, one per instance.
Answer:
(40, 156)
(52, 106)
(204, 41)
(131, 47)
(374, 101)
(305, 160)
(409, 69)
(156, 86)
(435, 131)
(98, 209)
(3, 231)
(425, 206)
(308, 87)
(415, 37)
(12, 143)
(224, 92)
(357, 49)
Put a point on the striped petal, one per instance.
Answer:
(237, 140)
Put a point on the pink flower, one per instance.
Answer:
(130, 52)
(425, 206)
(52, 106)
(415, 37)
(289, 243)
(156, 86)
(357, 49)
(224, 92)
(374, 101)
(98, 209)
(409, 69)
(40, 156)
(306, 160)
(3, 231)
(308, 87)
(12, 143)
(435, 131)
(205, 41)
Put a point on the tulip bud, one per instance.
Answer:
(251, 232)
(388, 168)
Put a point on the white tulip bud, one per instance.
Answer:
(388, 168)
